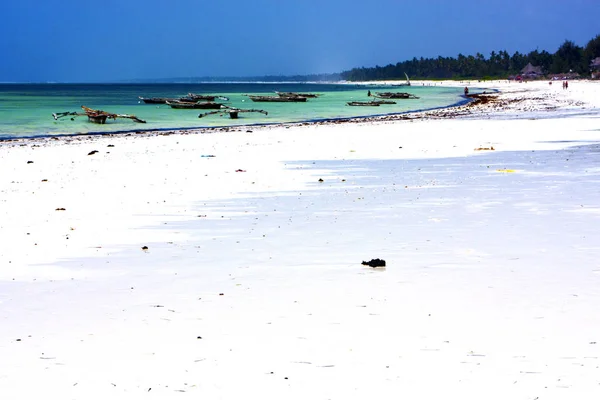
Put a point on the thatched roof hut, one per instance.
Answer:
(530, 71)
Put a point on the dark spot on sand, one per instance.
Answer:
(374, 263)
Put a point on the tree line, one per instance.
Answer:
(499, 65)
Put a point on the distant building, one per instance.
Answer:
(595, 67)
(531, 72)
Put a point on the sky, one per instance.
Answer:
(116, 40)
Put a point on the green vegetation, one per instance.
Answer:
(568, 58)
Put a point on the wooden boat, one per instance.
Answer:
(280, 99)
(190, 98)
(96, 116)
(364, 103)
(154, 100)
(292, 94)
(407, 81)
(205, 97)
(232, 112)
(395, 95)
(206, 105)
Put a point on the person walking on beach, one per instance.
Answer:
(466, 91)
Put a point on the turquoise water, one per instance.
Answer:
(26, 109)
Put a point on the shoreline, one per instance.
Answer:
(216, 265)
(501, 102)
(204, 129)
(333, 108)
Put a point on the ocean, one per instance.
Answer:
(26, 109)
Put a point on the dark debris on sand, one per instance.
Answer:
(374, 263)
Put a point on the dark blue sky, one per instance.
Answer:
(112, 40)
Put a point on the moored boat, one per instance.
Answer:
(190, 98)
(292, 94)
(279, 99)
(395, 95)
(407, 81)
(205, 97)
(97, 116)
(232, 112)
(154, 100)
(364, 103)
(206, 105)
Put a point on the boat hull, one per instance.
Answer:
(278, 99)
(363, 103)
(293, 94)
(97, 119)
(154, 100)
(195, 106)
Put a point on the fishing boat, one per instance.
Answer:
(364, 103)
(279, 99)
(206, 105)
(407, 81)
(205, 97)
(154, 100)
(232, 112)
(395, 95)
(190, 98)
(96, 116)
(293, 94)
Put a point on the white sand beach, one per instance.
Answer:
(227, 264)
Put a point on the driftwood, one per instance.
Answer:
(97, 116)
